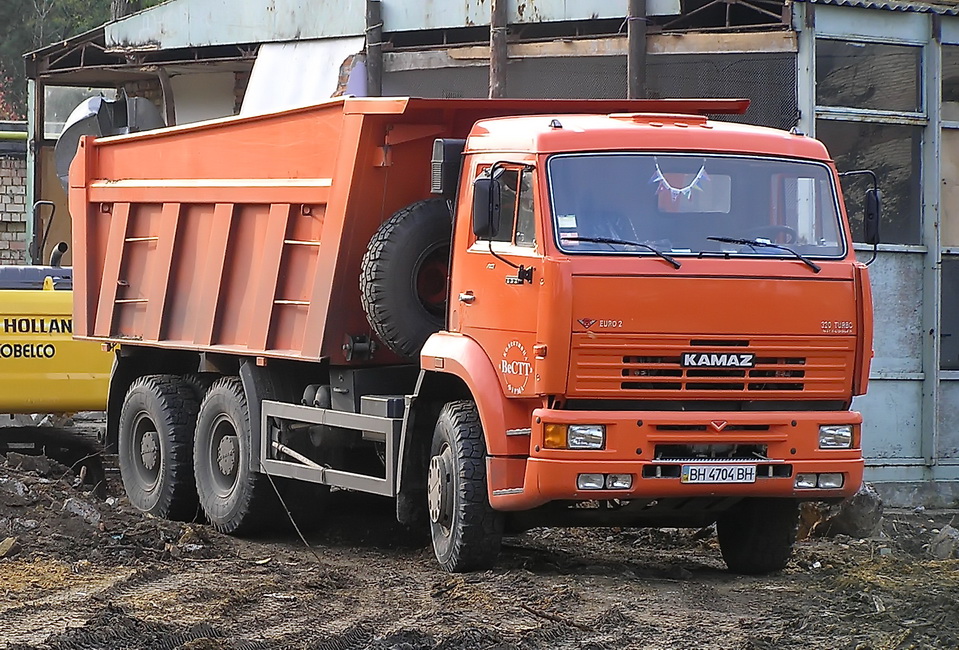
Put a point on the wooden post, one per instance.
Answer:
(374, 48)
(498, 53)
(636, 50)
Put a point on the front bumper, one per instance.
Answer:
(649, 445)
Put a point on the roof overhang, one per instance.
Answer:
(85, 60)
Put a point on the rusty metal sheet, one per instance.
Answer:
(439, 14)
(197, 23)
(944, 8)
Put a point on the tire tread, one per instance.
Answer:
(257, 498)
(757, 536)
(378, 294)
(476, 544)
(177, 409)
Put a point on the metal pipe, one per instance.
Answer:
(498, 52)
(374, 48)
(297, 455)
(13, 135)
(636, 50)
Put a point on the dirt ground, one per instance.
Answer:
(94, 574)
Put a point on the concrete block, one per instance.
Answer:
(858, 516)
(945, 544)
(9, 547)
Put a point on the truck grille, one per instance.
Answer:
(622, 364)
(664, 373)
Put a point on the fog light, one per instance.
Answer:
(835, 436)
(619, 481)
(586, 436)
(806, 482)
(830, 481)
(590, 481)
(554, 436)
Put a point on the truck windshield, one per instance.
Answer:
(677, 203)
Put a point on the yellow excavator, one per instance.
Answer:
(53, 389)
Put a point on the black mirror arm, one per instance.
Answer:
(861, 172)
(875, 188)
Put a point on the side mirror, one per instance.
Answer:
(486, 207)
(872, 216)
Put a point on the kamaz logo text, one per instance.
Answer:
(706, 360)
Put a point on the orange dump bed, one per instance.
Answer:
(245, 235)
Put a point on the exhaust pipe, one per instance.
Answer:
(57, 255)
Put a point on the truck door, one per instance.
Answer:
(496, 282)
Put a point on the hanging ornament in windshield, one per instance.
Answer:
(664, 185)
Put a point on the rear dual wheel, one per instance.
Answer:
(155, 446)
(234, 497)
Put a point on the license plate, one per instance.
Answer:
(718, 474)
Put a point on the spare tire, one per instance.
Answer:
(404, 281)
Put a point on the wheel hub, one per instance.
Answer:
(439, 488)
(150, 450)
(226, 455)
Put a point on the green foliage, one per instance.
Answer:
(27, 25)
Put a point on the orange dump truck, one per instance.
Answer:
(502, 313)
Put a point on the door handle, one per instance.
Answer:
(467, 297)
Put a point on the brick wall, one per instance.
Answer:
(149, 88)
(13, 210)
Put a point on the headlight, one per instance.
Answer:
(830, 481)
(574, 436)
(806, 481)
(590, 481)
(835, 436)
(619, 481)
(586, 436)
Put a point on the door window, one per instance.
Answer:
(517, 222)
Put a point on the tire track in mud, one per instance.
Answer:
(361, 589)
(29, 620)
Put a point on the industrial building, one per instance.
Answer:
(876, 80)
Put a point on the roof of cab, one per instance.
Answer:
(637, 132)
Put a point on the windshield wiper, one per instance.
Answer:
(625, 242)
(762, 243)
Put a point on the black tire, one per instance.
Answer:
(155, 447)
(199, 383)
(404, 284)
(465, 529)
(757, 535)
(235, 499)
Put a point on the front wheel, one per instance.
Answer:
(757, 535)
(234, 497)
(465, 529)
